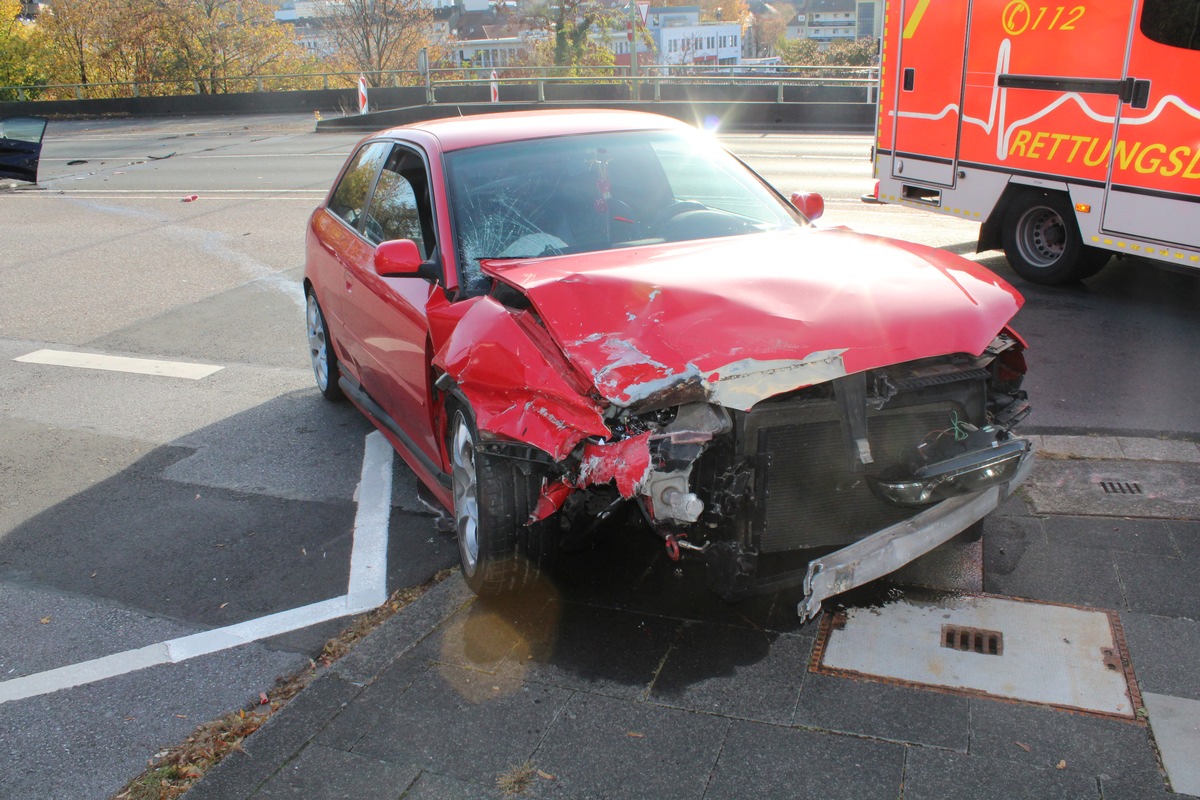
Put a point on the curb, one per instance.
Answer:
(269, 749)
(1116, 448)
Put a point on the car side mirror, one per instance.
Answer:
(810, 204)
(400, 258)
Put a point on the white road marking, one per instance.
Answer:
(124, 158)
(139, 366)
(367, 590)
(174, 192)
(368, 557)
(281, 195)
(336, 154)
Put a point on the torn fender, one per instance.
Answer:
(626, 462)
(519, 386)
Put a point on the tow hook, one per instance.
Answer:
(672, 546)
(677, 542)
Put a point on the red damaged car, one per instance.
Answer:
(553, 314)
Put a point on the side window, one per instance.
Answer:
(401, 207)
(1172, 22)
(350, 196)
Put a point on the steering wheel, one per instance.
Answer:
(673, 210)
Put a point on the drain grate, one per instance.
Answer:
(973, 640)
(1051, 655)
(1120, 487)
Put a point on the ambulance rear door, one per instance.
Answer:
(1153, 190)
(929, 90)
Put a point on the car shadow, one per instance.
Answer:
(247, 517)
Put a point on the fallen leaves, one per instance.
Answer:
(1024, 747)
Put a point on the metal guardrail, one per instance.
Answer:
(652, 77)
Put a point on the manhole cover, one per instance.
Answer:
(1057, 655)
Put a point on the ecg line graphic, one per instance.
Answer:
(999, 105)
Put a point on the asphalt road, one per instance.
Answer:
(136, 509)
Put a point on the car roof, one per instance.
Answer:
(457, 133)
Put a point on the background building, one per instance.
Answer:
(827, 21)
(680, 38)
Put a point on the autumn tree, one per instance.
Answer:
(769, 26)
(573, 43)
(734, 11)
(166, 45)
(571, 26)
(21, 62)
(73, 32)
(375, 36)
(212, 41)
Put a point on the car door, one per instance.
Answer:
(21, 147)
(335, 240)
(387, 315)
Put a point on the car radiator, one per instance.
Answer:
(811, 491)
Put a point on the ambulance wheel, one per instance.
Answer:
(1042, 241)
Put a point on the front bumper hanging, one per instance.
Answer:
(887, 550)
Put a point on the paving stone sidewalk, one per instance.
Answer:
(627, 680)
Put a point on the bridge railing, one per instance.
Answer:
(650, 80)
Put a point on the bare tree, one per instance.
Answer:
(72, 29)
(373, 36)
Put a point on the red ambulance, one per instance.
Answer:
(1069, 131)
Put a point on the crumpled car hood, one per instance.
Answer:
(739, 319)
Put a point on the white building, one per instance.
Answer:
(680, 38)
(827, 21)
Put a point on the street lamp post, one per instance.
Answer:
(633, 48)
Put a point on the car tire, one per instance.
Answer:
(493, 498)
(321, 350)
(1042, 241)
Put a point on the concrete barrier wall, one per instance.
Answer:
(839, 117)
(807, 108)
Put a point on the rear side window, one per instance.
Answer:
(1172, 22)
(350, 196)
